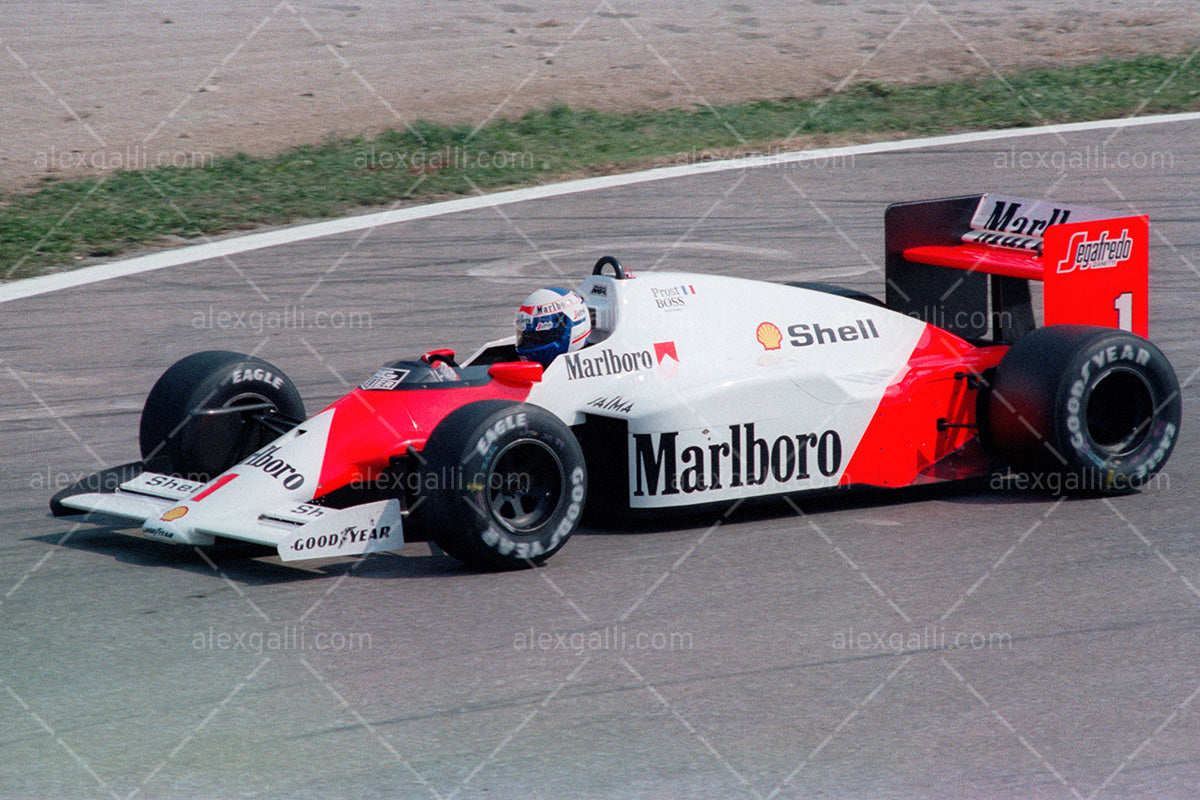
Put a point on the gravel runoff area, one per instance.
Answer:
(94, 87)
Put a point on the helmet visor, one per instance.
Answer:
(529, 339)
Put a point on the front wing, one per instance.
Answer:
(297, 531)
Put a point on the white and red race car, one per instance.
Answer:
(693, 389)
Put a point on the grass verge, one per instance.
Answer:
(63, 223)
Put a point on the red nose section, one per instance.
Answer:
(371, 426)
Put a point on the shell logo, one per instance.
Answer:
(769, 336)
(174, 514)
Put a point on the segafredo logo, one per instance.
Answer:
(1101, 253)
(607, 362)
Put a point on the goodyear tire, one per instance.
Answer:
(1084, 410)
(506, 485)
(190, 426)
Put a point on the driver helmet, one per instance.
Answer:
(550, 322)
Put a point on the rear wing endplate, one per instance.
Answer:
(965, 263)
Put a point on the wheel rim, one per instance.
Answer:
(1120, 411)
(525, 486)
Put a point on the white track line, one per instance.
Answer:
(30, 287)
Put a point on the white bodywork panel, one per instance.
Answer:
(705, 367)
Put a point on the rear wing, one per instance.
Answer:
(965, 264)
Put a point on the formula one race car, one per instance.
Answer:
(691, 390)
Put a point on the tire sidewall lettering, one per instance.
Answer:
(481, 467)
(1088, 376)
(1096, 364)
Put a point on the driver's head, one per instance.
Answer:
(551, 322)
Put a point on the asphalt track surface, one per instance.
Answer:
(959, 643)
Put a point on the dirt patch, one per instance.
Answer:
(90, 88)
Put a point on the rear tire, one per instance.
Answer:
(1094, 410)
(505, 485)
(178, 438)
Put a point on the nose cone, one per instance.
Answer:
(368, 428)
(280, 474)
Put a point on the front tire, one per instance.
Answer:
(191, 423)
(1097, 408)
(505, 485)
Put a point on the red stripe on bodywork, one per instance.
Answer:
(217, 484)
(903, 445)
